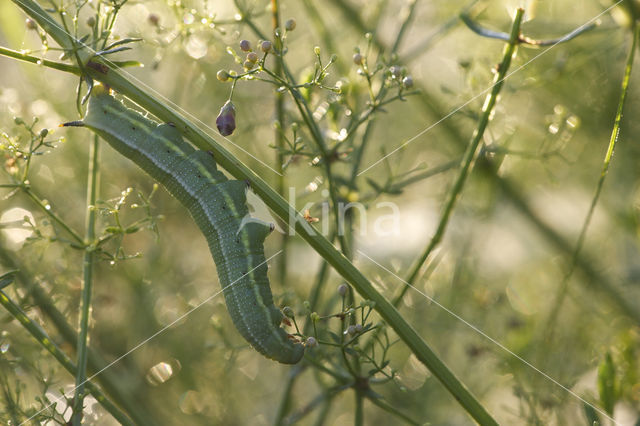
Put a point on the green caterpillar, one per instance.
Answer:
(217, 205)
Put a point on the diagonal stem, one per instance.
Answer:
(562, 291)
(472, 149)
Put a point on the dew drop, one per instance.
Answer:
(159, 373)
(573, 121)
(4, 347)
(196, 47)
(188, 18)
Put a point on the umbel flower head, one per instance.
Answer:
(226, 121)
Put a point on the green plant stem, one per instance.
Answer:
(381, 403)
(595, 279)
(283, 407)
(307, 116)
(324, 32)
(354, 18)
(41, 336)
(406, 22)
(85, 310)
(562, 290)
(359, 411)
(47, 210)
(316, 134)
(472, 148)
(285, 400)
(135, 92)
(279, 137)
(38, 61)
(325, 398)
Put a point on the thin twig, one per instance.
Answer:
(472, 148)
(41, 336)
(615, 132)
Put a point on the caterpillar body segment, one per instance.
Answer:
(217, 205)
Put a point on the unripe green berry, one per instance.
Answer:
(44, 133)
(223, 75)
(245, 45)
(252, 57)
(316, 50)
(290, 25)
(288, 312)
(314, 317)
(265, 46)
(91, 21)
(248, 64)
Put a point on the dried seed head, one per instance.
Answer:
(245, 46)
(252, 57)
(223, 75)
(266, 46)
(290, 25)
(226, 120)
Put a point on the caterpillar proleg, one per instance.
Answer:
(217, 205)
